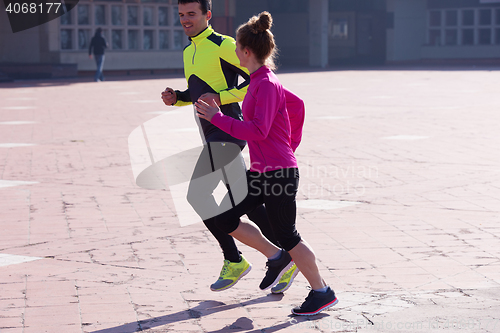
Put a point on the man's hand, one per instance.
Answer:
(169, 96)
(209, 97)
(206, 110)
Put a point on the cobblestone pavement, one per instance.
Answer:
(399, 196)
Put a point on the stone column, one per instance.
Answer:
(318, 33)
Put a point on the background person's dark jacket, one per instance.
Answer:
(98, 43)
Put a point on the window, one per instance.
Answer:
(485, 17)
(484, 36)
(100, 14)
(178, 36)
(147, 16)
(451, 18)
(83, 14)
(83, 39)
(127, 25)
(339, 29)
(468, 17)
(133, 39)
(468, 37)
(147, 40)
(117, 39)
(451, 37)
(435, 18)
(463, 26)
(163, 16)
(116, 15)
(66, 39)
(164, 37)
(177, 20)
(133, 15)
(66, 18)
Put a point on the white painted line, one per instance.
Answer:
(11, 259)
(148, 101)
(12, 183)
(19, 122)
(325, 204)
(188, 129)
(405, 137)
(129, 93)
(333, 117)
(18, 107)
(448, 107)
(16, 145)
(164, 112)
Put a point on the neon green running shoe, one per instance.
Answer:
(231, 273)
(286, 280)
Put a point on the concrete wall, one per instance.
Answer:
(318, 31)
(290, 29)
(292, 38)
(461, 52)
(42, 45)
(405, 41)
(20, 47)
(130, 60)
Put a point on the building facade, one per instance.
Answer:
(147, 35)
(443, 30)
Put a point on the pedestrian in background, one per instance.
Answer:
(97, 46)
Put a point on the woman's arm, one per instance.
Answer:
(296, 113)
(266, 108)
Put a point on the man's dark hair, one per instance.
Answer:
(205, 5)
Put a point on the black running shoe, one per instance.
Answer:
(316, 302)
(275, 269)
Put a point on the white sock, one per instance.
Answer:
(275, 256)
(322, 290)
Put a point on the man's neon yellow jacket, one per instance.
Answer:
(211, 66)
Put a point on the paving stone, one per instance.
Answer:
(400, 166)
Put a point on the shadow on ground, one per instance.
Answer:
(205, 308)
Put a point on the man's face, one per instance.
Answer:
(192, 19)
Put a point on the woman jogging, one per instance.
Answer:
(272, 126)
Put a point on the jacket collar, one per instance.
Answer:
(263, 70)
(202, 35)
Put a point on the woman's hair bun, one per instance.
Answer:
(263, 23)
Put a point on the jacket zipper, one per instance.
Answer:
(194, 50)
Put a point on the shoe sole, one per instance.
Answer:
(297, 271)
(232, 284)
(329, 305)
(283, 271)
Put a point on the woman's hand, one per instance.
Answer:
(205, 110)
(208, 97)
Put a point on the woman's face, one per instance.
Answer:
(240, 53)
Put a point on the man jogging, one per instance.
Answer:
(212, 68)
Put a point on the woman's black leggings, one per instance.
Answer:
(214, 156)
(277, 191)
